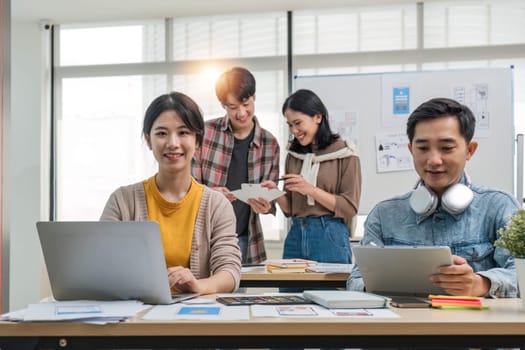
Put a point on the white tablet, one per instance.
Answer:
(401, 270)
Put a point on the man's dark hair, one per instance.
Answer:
(237, 81)
(443, 107)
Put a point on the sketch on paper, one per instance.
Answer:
(345, 124)
(476, 97)
(392, 152)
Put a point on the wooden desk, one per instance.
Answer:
(259, 277)
(501, 326)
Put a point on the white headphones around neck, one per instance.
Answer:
(455, 200)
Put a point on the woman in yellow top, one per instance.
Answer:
(197, 224)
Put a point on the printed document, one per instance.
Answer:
(84, 310)
(317, 311)
(214, 311)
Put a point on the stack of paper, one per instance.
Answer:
(288, 265)
(331, 268)
(191, 311)
(316, 311)
(89, 311)
(456, 302)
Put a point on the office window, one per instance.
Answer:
(101, 102)
(462, 23)
(109, 44)
(508, 26)
(229, 36)
(100, 145)
(355, 29)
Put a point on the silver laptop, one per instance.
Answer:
(401, 270)
(106, 261)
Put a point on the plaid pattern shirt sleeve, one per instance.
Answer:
(211, 163)
(263, 164)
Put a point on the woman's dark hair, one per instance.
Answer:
(443, 107)
(185, 108)
(238, 81)
(307, 102)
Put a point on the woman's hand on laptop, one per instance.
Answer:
(183, 280)
(460, 279)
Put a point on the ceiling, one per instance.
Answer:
(78, 11)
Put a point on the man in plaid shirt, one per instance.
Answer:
(236, 150)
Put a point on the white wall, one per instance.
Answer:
(24, 168)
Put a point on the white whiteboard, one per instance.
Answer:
(366, 97)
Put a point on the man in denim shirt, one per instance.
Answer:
(440, 132)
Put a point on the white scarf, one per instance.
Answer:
(311, 162)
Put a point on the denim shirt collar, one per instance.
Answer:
(421, 218)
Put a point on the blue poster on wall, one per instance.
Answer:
(401, 100)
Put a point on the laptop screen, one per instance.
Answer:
(105, 260)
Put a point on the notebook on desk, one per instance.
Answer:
(114, 260)
(345, 299)
(401, 270)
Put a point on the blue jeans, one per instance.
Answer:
(323, 239)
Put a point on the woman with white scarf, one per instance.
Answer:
(322, 184)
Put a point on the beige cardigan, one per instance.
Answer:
(214, 247)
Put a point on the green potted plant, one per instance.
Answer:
(513, 239)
